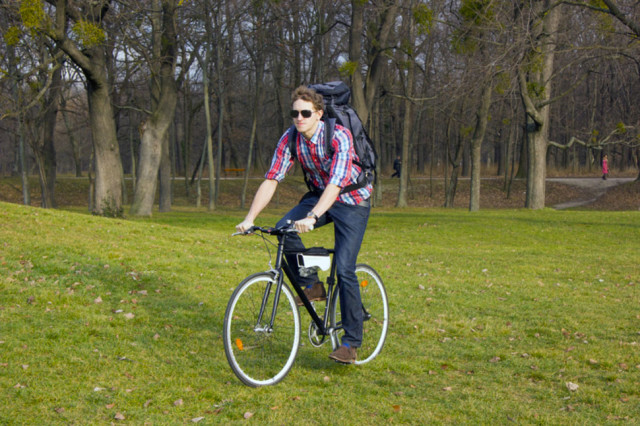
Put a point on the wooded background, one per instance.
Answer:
(162, 89)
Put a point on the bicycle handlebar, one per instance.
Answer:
(282, 230)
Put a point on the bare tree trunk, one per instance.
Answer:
(537, 128)
(407, 129)
(209, 144)
(450, 192)
(22, 161)
(47, 153)
(164, 92)
(482, 117)
(164, 176)
(75, 148)
(254, 127)
(375, 135)
(108, 179)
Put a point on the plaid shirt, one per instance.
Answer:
(321, 169)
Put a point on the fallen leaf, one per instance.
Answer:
(327, 378)
(147, 403)
(197, 419)
(447, 389)
(572, 386)
(110, 406)
(495, 359)
(274, 407)
(119, 416)
(593, 362)
(97, 300)
(248, 415)
(129, 316)
(156, 336)
(178, 402)
(59, 410)
(397, 408)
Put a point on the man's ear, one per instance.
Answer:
(321, 111)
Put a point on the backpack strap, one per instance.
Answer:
(291, 140)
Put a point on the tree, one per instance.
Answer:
(535, 79)
(85, 43)
(408, 68)
(475, 38)
(366, 72)
(255, 41)
(36, 98)
(155, 138)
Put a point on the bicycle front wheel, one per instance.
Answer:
(260, 353)
(375, 308)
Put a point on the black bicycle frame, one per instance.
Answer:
(282, 266)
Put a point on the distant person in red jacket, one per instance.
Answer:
(605, 167)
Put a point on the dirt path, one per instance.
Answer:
(596, 187)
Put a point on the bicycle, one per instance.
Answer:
(262, 327)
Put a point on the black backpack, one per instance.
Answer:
(337, 110)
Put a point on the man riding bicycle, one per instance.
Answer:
(349, 212)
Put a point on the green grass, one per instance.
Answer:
(492, 314)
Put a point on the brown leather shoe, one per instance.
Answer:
(314, 293)
(344, 354)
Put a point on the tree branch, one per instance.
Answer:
(600, 144)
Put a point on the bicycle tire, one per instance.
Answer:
(261, 357)
(376, 305)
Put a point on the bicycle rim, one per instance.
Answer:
(376, 306)
(257, 356)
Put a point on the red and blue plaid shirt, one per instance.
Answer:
(321, 169)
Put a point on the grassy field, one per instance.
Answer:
(499, 316)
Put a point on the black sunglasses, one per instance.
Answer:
(305, 113)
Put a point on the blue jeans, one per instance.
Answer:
(350, 223)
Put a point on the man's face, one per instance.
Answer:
(306, 125)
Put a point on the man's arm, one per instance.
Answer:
(260, 201)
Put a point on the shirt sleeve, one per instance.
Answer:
(344, 155)
(282, 160)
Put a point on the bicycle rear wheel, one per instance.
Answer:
(376, 313)
(258, 354)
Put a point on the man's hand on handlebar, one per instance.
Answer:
(305, 225)
(244, 226)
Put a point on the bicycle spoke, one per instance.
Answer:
(375, 310)
(259, 354)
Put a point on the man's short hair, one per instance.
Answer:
(309, 95)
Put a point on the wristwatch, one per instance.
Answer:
(313, 215)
